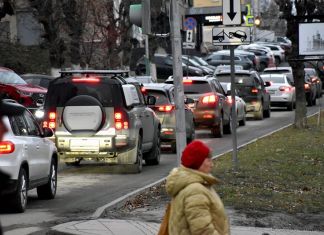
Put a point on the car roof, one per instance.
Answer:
(158, 86)
(103, 72)
(278, 68)
(273, 75)
(249, 72)
(32, 75)
(4, 69)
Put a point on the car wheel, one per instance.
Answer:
(139, 157)
(243, 121)
(217, 131)
(153, 157)
(228, 127)
(314, 101)
(174, 147)
(267, 113)
(19, 198)
(290, 106)
(259, 115)
(192, 136)
(309, 101)
(48, 190)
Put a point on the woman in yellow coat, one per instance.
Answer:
(196, 209)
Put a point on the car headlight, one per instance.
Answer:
(25, 93)
(39, 114)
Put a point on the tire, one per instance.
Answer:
(267, 113)
(243, 121)
(259, 115)
(139, 158)
(314, 101)
(228, 127)
(174, 147)
(290, 106)
(192, 135)
(48, 190)
(153, 157)
(19, 198)
(217, 131)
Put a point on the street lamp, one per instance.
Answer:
(257, 21)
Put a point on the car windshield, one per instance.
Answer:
(274, 79)
(240, 79)
(8, 77)
(201, 61)
(279, 71)
(192, 62)
(161, 97)
(143, 79)
(196, 87)
(310, 72)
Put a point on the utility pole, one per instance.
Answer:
(146, 30)
(178, 78)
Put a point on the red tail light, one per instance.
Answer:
(90, 79)
(165, 108)
(121, 121)
(285, 88)
(307, 86)
(210, 99)
(7, 147)
(51, 121)
(254, 90)
(187, 81)
(229, 99)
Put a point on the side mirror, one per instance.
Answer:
(267, 83)
(189, 101)
(48, 132)
(150, 100)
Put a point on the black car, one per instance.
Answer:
(164, 67)
(251, 88)
(190, 62)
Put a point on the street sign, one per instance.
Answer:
(189, 36)
(189, 45)
(232, 12)
(190, 23)
(311, 38)
(231, 35)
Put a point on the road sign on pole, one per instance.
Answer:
(190, 23)
(231, 35)
(232, 12)
(189, 36)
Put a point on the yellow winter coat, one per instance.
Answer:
(196, 209)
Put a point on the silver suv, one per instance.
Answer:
(98, 116)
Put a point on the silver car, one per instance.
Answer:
(282, 90)
(165, 110)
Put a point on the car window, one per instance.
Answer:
(32, 127)
(19, 126)
(140, 94)
(8, 77)
(161, 97)
(218, 87)
(241, 79)
(44, 82)
(34, 81)
(109, 94)
(274, 79)
(281, 71)
(197, 87)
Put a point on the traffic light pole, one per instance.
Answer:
(146, 27)
(178, 78)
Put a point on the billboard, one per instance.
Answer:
(311, 39)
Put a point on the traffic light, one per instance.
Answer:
(140, 15)
(257, 21)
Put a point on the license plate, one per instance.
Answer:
(84, 145)
(272, 92)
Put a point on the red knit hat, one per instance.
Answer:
(194, 154)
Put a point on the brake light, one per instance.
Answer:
(285, 88)
(187, 81)
(121, 121)
(7, 147)
(254, 90)
(143, 90)
(51, 122)
(307, 86)
(90, 79)
(229, 99)
(210, 99)
(165, 108)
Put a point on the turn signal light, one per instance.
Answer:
(6, 147)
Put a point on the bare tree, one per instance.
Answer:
(49, 14)
(6, 8)
(294, 12)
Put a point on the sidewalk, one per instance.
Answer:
(129, 227)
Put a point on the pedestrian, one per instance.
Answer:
(196, 208)
(6, 109)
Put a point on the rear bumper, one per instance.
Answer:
(206, 118)
(253, 106)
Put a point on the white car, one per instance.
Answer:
(278, 52)
(282, 90)
(239, 102)
(29, 158)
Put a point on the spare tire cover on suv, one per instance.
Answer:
(83, 113)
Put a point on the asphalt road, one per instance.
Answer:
(79, 195)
